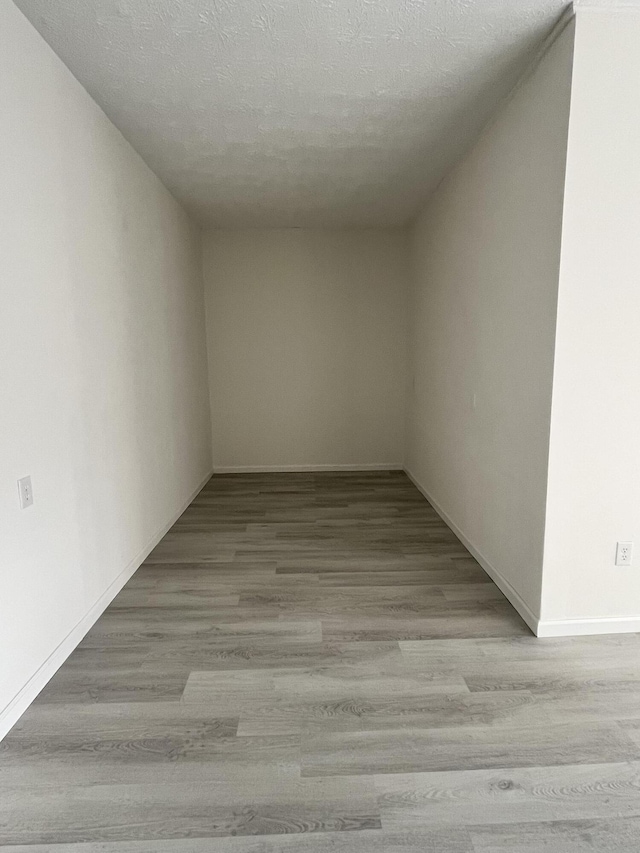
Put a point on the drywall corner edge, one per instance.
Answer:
(12, 712)
(532, 620)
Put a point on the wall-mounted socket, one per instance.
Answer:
(26, 492)
(624, 553)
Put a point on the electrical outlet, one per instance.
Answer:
(26, 492)
(624, 553)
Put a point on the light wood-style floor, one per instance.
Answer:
(311, 663)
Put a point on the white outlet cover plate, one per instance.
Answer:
(624, 553)
(25, 491)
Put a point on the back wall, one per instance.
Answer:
(306, 335)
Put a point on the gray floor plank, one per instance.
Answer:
(463, 748)
(581, 836)
(209, 809)
(437, 840)
(509, 795)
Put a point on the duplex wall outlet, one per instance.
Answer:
(26, 492)
(624, 553)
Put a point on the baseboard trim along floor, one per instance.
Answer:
(292, 469)
(540, 627)
(19, 704)
(500, 581)
(582, 627)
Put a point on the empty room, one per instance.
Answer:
(320, 426)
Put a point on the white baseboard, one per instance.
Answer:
(283, 469)
(540, 627)
(500, 581)
(25, 696)
(580, 627)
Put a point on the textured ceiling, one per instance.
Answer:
(297, 112)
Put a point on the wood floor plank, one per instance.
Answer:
(270, 654)
(133, 598)
(98, 743)
(130, 812)
(509, 795)
(423, 750)
(446, 575)
(560, 668)
(333, 682)
(435, 840)
(609, 648)
(580, 836)
(177, 621)
(376, 713)
(112, 684)
(416, 627)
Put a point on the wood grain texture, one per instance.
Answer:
(175, 810)
(434, 840)
(416, 750)
(580, 836)
(509, 795)
(313, 663)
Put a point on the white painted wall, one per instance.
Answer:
(307, 347)
(594, 469)
(485, 279)
(103, 383)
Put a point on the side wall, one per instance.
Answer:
(485, 277)
(307, 348)
(594, 470)
(103, 382)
